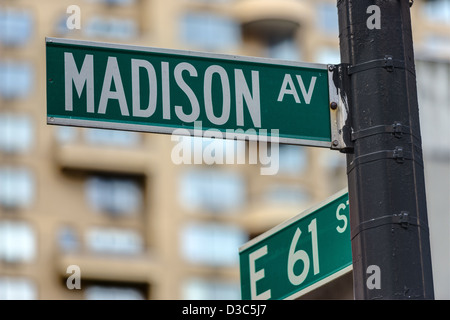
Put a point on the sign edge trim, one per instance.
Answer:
(199, 54)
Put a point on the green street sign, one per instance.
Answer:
(300, 254)
(134, 88)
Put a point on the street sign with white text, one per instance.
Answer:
(300, 254)
(134, 88)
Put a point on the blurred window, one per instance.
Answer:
(209, 31)
(99, 292)
(61, 25)
(212, 190)
(114, 241)
(16, 27)
(17, 242)
(115, 196)
(16, 79)
(114, 138)
(16, 133)
(328, 18)
(17, 288)
(286, 195)
(203, 289)
(333, 161)
(327, 55)
(68, 239)
(433, 83)
(212, 244)
(115, 2)
(212, 1)
(65, 134)
(437, 45)
(17, 187)
(110, 28)
(292, 159)
(287, 49)
(437, 10)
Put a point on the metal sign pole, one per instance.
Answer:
(388, 212)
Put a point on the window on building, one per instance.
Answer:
(335, 165)
(327, 18)
(212, 244)
(16, 26)
(286, 195)
(17, 187)
(215, 191)
(110, 240)
(61, 25)
(115, 196)
(205, 289)
(437, 10)
(333, 161)
(209, 31)
(16, 133)
(292, 159)
(110, 28)
(17, 288)
(68, 239)
(65, 134)
(16, 79)
(114, 2)
(437, 45)
(17, 242)
(433, 81)
(114, 138)
(212, 1)
(286, 49)
(102, 292)
(328, 55)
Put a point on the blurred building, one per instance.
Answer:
(114, 204)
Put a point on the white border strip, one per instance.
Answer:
(291, 221)
(169, 130)
(198, 54)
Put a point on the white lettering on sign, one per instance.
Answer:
(112, 74)
(153, 87)
(343, 217)
(113, 89)
(288, 87)
(81, 79)
(226, 103)
(184, 66)
(252, 99)
(165, 90)
(257, 275)
(294, 256)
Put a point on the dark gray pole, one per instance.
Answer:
(388, 213)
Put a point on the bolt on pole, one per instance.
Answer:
(388, 212)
